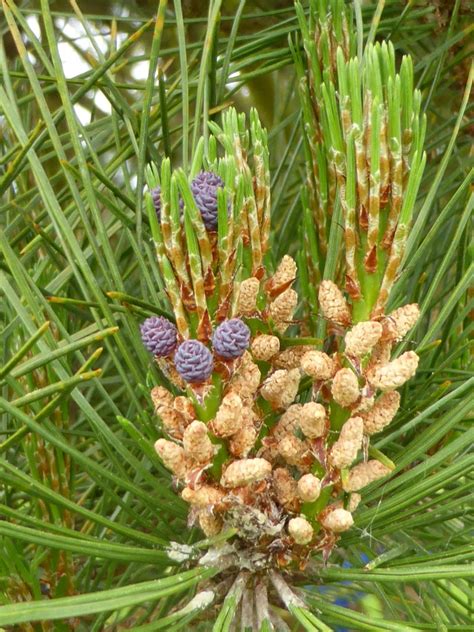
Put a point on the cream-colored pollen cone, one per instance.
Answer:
(337, 520)
(246, 378)
(345, 387)
(333, 304)
(397, 324)
(318, 365)
(209, 523)
(345, 449)
(197, 444)
(245, 471)
(248, 293)
(312, 420)
(292, 449)
(244, 439)
(395, 373)
(365, 473)
(172, 456)
(228, 418)
(265, 347)
(309, 488)
(285, 273)
(382, 413)
(362, 338)
(300, 530)
(204, 496)
(285, 486)
(281, 388)
(282, 308)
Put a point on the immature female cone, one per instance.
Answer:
(395, 373)
(231, 339)
(193, 361)
(159, 336)
(204, 189)
(345, 450)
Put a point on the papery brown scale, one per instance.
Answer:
(363, 218)
(352, 288)
(370, 262)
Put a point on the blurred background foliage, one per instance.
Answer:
(85, 504)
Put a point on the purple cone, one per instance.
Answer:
(204, 189)
(159, 335)
(231, 338)
(193, 361)
(156, 197)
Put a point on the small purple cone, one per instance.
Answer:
(156, 197)
(193, 361)
(204, 189)
(159, 336)
(231, 339)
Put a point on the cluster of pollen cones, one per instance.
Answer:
(286, 454)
